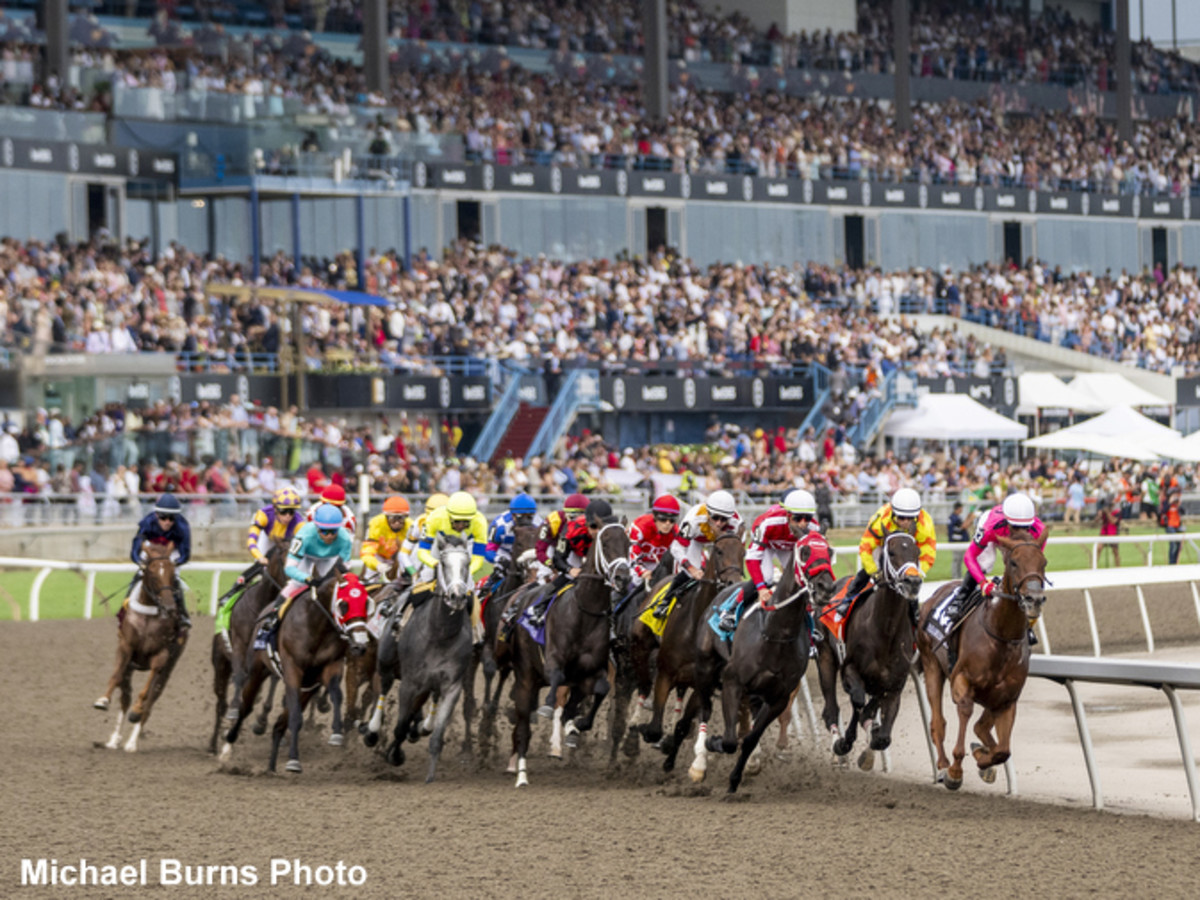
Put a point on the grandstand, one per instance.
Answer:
(541, 235)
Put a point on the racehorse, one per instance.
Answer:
(432, 654)
(765, 663)
(524, 540)
(993, 659)
(677, 650)
(577, 642)
(231, 656)
(148, 637)
(878, 651)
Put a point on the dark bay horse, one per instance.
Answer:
(577, 642)
(524, 540)
(433, 652)
(148, 638)
(878, 651)
(231, 656)
(765, 663)
(674, 667)
(993, 659)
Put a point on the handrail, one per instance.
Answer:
(875, 414)
(498, 421)
(562, 413)
(816, 416)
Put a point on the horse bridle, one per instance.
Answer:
(605, 567)
(895, 575)
(1023, 598)
(804, 586)
(459, 589)
(719, 578)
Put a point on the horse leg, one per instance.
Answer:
(853, 685)
(889, 705)
(731, 707)
(765, 716)
(966, 705)
(524, 697)
(445, 710)
(124, 655)
(293, 683)
(407, 707)
(264, 715)
(222, 672)
(683, 728)
(699, 765)
(652, 731)
(332, 679)
(827, 672)
(385, 660)
(935, 682)
(258, 672)
(114, 741)
(618, 724)
(598, 689)
(556, 734)
(999, 753)
(353, 684)
(467, 689)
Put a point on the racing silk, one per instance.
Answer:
(981, 554)
(347, 515)
(268, 530)
(179, 534)
(771, 543)
(552, 529)
(383, 546)
(416, 527)
(308, 547)
(572, 547)
(646, 546)
(696, 531)
(501, 536)
(882, 524)
(439, 523)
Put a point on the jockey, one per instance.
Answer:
(319, 545)
(570, 552)
(903, 513)
(382, 551)
(651, 536)
(165, 525)
(273, 525)
(460, 517)
(553, 528)
(701, 526)
(772, 542)
(416, 527)
(522, 511)
(1016, 513)
(335, 495)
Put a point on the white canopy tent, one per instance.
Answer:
(1110, 390)
(1123, 432)
(1044, 390)
(952, 417)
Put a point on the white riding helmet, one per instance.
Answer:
(906, 503)
(800, 502)
(1019, 510)
(721, 503)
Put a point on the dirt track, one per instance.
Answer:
(798, 828)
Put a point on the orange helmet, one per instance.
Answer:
(335, 494)
(395, 506)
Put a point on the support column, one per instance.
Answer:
(296, 248)
(902, 50)
(655, 90)
(375, 45)
(255, 233)
(1124, 74)
(54, 20)
(360, 227)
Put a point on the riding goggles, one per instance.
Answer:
(664, 517)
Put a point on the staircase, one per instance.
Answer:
(521, 431)
(876, 414)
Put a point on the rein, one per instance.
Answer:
(719, 577)
(604, 566)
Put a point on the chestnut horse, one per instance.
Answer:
(765, 664)
(878, 651)
(677, 648)
(993, 659)
(148, 637)
(231, 654)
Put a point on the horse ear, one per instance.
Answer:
(624, 521)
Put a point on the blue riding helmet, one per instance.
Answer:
(328, 517)
(522, 504)
(168, 505)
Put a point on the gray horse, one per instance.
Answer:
(431, 654)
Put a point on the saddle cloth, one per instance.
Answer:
(538, 632)
(714, 621)
(649, 619)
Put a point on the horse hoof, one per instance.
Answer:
(336, 740)
(323, 704)
(259, 728)
(753, 765)
(135, 716)
(512, 766)
(866, 760)
(370, 738)
(572, 740)
(952, 784)
(697, 775)
(988, 775)
(522, 780)
(102, 703)
(293, 766)
(841, 748)
(546, 712)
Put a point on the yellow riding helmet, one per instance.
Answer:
(435, 501)
(461, 505)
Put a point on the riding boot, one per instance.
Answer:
(268, 621)
(664, 601)
(861, 579)
(729, 616)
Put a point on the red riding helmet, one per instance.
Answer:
(576, 503)
(666, 504)
(335, 494)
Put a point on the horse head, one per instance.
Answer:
(726, 560)
(814, 567)
(610, 555)
(902, 567)
(524, 545)
(454, 570)
(1025, 571)
(352, 607)
(159, 580)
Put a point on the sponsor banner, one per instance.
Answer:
(648, 393)
(398, 392)
(219, 389)
(998, 393)
(88, 159)
(658, 184)
(1162, 208)
(1059, 203)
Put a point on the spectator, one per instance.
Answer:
(1109, 516)
(1173, 519)
(956, 533)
